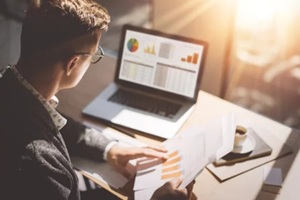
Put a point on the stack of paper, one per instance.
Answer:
(189, 152)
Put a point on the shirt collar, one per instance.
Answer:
(50, 105)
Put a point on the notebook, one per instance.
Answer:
(261, 148)
(156, 83)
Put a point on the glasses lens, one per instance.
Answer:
(100, 50)
(96, 57)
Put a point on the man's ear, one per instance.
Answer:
(71, 64)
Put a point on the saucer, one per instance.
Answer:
(247, 146)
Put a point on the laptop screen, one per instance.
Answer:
(161, 61)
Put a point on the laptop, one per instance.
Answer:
(156, 83)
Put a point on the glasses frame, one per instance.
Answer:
(95, 57)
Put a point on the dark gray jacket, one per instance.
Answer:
(34, 160)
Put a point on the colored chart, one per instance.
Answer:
(171, 168)
(191, 58)
(132, 45)
(150, 49)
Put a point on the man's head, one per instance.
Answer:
(62, 31)
(50, 23)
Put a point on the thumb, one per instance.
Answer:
(125, 172)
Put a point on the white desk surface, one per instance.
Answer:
(245, 186)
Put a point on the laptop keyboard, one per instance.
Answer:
(145, 103)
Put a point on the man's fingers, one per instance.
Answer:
(125, 172)
(159, 147)
(181, 193)
(146, 152)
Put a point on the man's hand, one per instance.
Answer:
(118, 156)
(170, 191)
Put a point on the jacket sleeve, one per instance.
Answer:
(84, 141)
(38, 173)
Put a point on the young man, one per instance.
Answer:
(59, 41)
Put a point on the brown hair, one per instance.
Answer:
(53, 22)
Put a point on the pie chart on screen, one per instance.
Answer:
(132, 45)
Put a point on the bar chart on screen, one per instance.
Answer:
(191, 58)
(150, 49)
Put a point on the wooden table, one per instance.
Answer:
(245, 186)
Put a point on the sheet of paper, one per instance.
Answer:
(144, 194)
(178, 164)
(228, 133)
(189, 152)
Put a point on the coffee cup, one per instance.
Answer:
(240, 136)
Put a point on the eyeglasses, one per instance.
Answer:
(95, 57)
